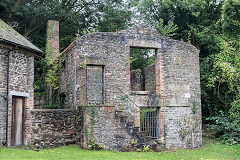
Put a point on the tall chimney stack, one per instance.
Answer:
(52, 51)
(52, 44)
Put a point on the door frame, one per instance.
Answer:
(13, 123)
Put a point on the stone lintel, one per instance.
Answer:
(20, 94)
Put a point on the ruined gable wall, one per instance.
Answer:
(177, 82)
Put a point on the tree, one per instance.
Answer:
(168, 30)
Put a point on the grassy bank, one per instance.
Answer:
(211, 150)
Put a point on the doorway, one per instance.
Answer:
(17, 130)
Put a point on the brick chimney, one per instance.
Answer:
(52, 44)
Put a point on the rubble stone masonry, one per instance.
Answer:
(172, 85)
(21, 78)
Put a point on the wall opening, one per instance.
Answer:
(95, 84)
(140, 58)
(149, 121)
(17, 129)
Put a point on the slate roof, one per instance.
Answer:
(9, 35)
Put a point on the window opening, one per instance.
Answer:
(140, 58)
(149, 121)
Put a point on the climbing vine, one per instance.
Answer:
(52, 79)
(87, 130)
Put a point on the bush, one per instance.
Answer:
(53, 106)
(225, 129)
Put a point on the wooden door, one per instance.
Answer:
(17, 121)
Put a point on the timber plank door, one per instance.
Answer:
(17, 121)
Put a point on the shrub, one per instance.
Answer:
(225, 129)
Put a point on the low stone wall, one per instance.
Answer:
(52, 128)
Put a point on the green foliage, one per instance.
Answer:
(225, 129)
(31, 16)
(145, 149)
(51, 106)
(212, 26)
(226, 66)
(145, 110)
(133, 142)
(124, 97)
(141, 58)
(93, 146)
(52, 80)
(53, 74)
(168, 30)
(196, 20)
(231, 17)
(88, 129)
(235, 110)
(40, 70)
(115, 17)
(224, 74)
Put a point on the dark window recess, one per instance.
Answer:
(95, 84)
(149, 118)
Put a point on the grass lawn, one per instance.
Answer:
(211, 150)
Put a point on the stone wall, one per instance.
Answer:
(106, 126)
(52, 128)
(21, 78)
(68, 79)
(179, 73)
(182, 128)
(150, 78)
(136, 80)
(3, 92)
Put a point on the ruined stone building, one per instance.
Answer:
(16, 86)
(103, 101)
(114, 109)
